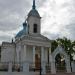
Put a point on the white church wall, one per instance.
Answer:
(73, 66)
(22, 52)
(29, 53)
(7, 52)
(18, 52)
(46, 55)
(34, 20)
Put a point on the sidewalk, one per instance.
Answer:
(62, 74)
(59, 73)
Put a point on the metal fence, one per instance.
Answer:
(4, 66)
(60, 69)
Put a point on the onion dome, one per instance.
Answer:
(23, 31)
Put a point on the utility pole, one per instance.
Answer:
(40, 63)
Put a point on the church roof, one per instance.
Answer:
(34, 12)
(32, 39)
(20, 33)
(23, 31)
(36, 37)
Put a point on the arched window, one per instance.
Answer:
(35, 28)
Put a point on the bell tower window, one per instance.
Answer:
(35, 28)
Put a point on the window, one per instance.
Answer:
(35, 28)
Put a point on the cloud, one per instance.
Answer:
(12, 15)
(71, 30)
(58, 17)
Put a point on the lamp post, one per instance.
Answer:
(40, 63)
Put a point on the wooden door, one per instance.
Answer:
(37, 61)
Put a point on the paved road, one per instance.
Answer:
(57, 74)
(62, 74)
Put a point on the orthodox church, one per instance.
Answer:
(30, 50)
(29, 43)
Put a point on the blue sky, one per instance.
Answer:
(58, 17)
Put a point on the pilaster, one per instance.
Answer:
(10, 67)
(43, 63)
(68, 67)
(25, 62)
(34, 56)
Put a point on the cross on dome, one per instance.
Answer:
(33, 4)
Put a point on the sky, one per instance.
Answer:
(58, 17)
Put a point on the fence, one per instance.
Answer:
(18, 67)
(4, 66)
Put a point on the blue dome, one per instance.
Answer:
(23, 31)
(34, 12)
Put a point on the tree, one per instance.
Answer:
(54, 44)
(68, 45)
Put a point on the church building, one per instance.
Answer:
(29, 44)
(31, 51)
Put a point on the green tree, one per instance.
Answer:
(54, 44)
(67, 44)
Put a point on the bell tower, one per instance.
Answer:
(34, 20)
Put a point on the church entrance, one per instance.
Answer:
(60, 63)
(37, 62)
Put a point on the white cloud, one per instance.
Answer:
(58, 17)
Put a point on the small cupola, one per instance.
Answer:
(33, 11)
